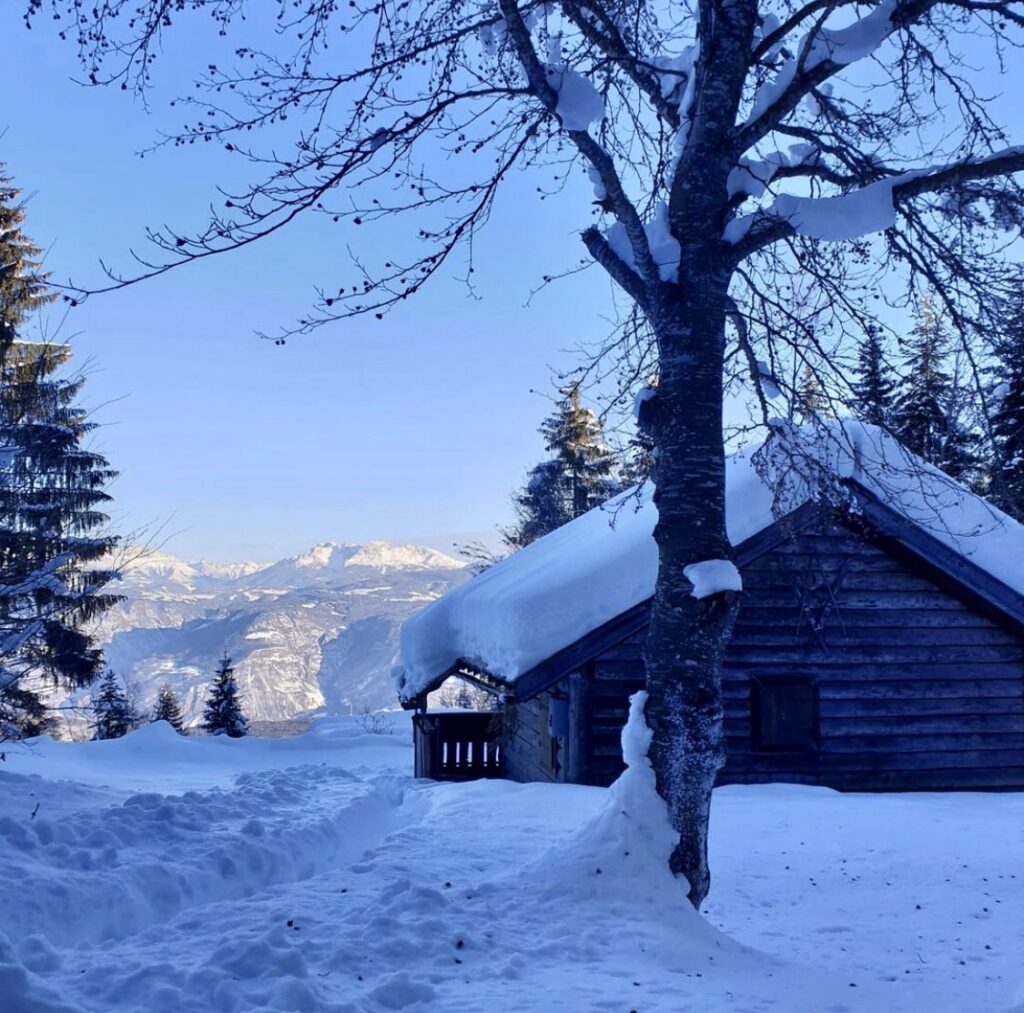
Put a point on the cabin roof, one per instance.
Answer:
(535, 614)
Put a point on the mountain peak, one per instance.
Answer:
(322, 554)
(389, 556)
(376, 555)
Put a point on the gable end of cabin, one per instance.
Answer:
(856, 663)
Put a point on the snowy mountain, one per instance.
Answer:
(313, 633)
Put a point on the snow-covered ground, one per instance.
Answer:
(161, 873)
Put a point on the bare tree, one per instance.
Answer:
(768, 175)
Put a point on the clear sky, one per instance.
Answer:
(416, 426)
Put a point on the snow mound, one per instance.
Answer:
(545, 597)
(632, 837)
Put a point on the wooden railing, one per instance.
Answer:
(457, 746)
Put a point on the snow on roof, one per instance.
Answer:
(548, 595)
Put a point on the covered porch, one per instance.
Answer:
(457, 745)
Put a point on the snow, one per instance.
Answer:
(752, 176)
(634, 819)
(643, 395)
(848, 216)
(663, 246)
(769, 382)
(833, 219)
(163, 873)
(674, 71)
(856, 41)
(712, 576)
(543, 598)
(378, 555)
(841, 46)
(579, 102)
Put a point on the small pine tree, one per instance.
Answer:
(874, 383)
(168, 708)
(1007, 399)
(112, 710)
(576, 478)
(223, 713)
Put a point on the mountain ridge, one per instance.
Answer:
(315, 633)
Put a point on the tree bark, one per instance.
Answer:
(687, 637)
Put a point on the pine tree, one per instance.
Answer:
(542, 505)
(51, 492)
(811, 402)
(576, 478)
(168, 708)
(223, 713)
(925, 388)
(928, 407)
(1007, 399)
(874, 384)
(113, 712)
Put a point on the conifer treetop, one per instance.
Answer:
(24, 286)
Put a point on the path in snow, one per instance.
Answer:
(314, 874)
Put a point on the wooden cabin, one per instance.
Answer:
(869, 655)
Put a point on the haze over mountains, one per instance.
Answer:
(316, 633)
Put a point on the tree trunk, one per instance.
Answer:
(687, 636)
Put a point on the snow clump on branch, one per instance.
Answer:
(664, 247)
(713, 576)
(579, 102)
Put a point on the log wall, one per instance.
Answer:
(917, 689)
(530, 753)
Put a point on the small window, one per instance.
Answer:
(784, 714)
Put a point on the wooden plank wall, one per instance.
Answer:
(917, 690)
(527, 749)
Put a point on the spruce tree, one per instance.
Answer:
(51, 492)
(874, 384)
(23, 285)
(576, 478)
(1007, 400)
(51, 495)
(928, 407)
(223, 712)
(168, 708)
(920, 409)
(543, 504)
(112, 710)
(575, 436)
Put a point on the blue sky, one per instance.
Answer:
(416, 426)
